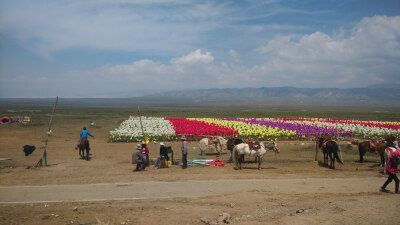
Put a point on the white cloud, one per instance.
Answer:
(46, 27)
(234, 54)
(367, 54)
(194, 57)
(372, 47)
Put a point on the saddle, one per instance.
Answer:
(372, 144)
(254, 145)
(325, 142)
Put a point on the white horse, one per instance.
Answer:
(244, 149)
(217, 143)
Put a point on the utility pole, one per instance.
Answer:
(47, 137)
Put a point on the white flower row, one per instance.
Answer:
(151, 126)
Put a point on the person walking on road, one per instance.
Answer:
(184, 152)
(391, 170)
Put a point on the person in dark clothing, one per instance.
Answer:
(391, 170)
(163, 156)
(145, 152)
(184, 153)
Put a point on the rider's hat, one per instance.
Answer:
(138, 146)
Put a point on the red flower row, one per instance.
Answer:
(199, 128)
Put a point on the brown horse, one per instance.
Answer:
(84, 144)
(372, 146)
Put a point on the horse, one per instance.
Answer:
(330, 148)
(217, 143)
(230, 144)
(258, 152)
(84, 144)
(372, 146)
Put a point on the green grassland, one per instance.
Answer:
(116, 110)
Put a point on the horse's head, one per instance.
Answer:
(320, 141)
(271, 146)
(222, 140)
(276, 148)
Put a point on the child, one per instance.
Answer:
(391, 170)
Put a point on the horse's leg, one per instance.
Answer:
(87, 153)
(330, 159)
(361, 152)
(240, 159)
(381, 154)
(236, 158)
(259, 159)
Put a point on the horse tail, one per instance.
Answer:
(236, 154)
(338, 159)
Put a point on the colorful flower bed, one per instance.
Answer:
(196, 129)
(164, 129)
(155, 128)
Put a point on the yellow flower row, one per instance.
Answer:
(247, 129)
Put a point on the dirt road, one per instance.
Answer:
(189, 188)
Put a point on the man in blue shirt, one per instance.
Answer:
(84, 135)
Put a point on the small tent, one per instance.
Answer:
(6, 119)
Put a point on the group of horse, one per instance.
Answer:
(240, 148)
(380, 147)
(329, 147)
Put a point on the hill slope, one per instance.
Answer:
(282, 95)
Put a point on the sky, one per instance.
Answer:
(131, 48)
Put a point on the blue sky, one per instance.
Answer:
(127, 48)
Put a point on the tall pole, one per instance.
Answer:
(140, 118)
(47, 137)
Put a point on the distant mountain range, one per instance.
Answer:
(282, 95)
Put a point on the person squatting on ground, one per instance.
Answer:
(391, 170)
(84, 135)
(163, 156)
(184, 153)
(138, 159)
(145, 152)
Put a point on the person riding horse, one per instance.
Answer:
(84, 136)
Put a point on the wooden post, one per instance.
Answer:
(47, 137)
(140, 118)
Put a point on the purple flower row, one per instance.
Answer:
(307, 131)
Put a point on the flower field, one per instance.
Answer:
(169, 129)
